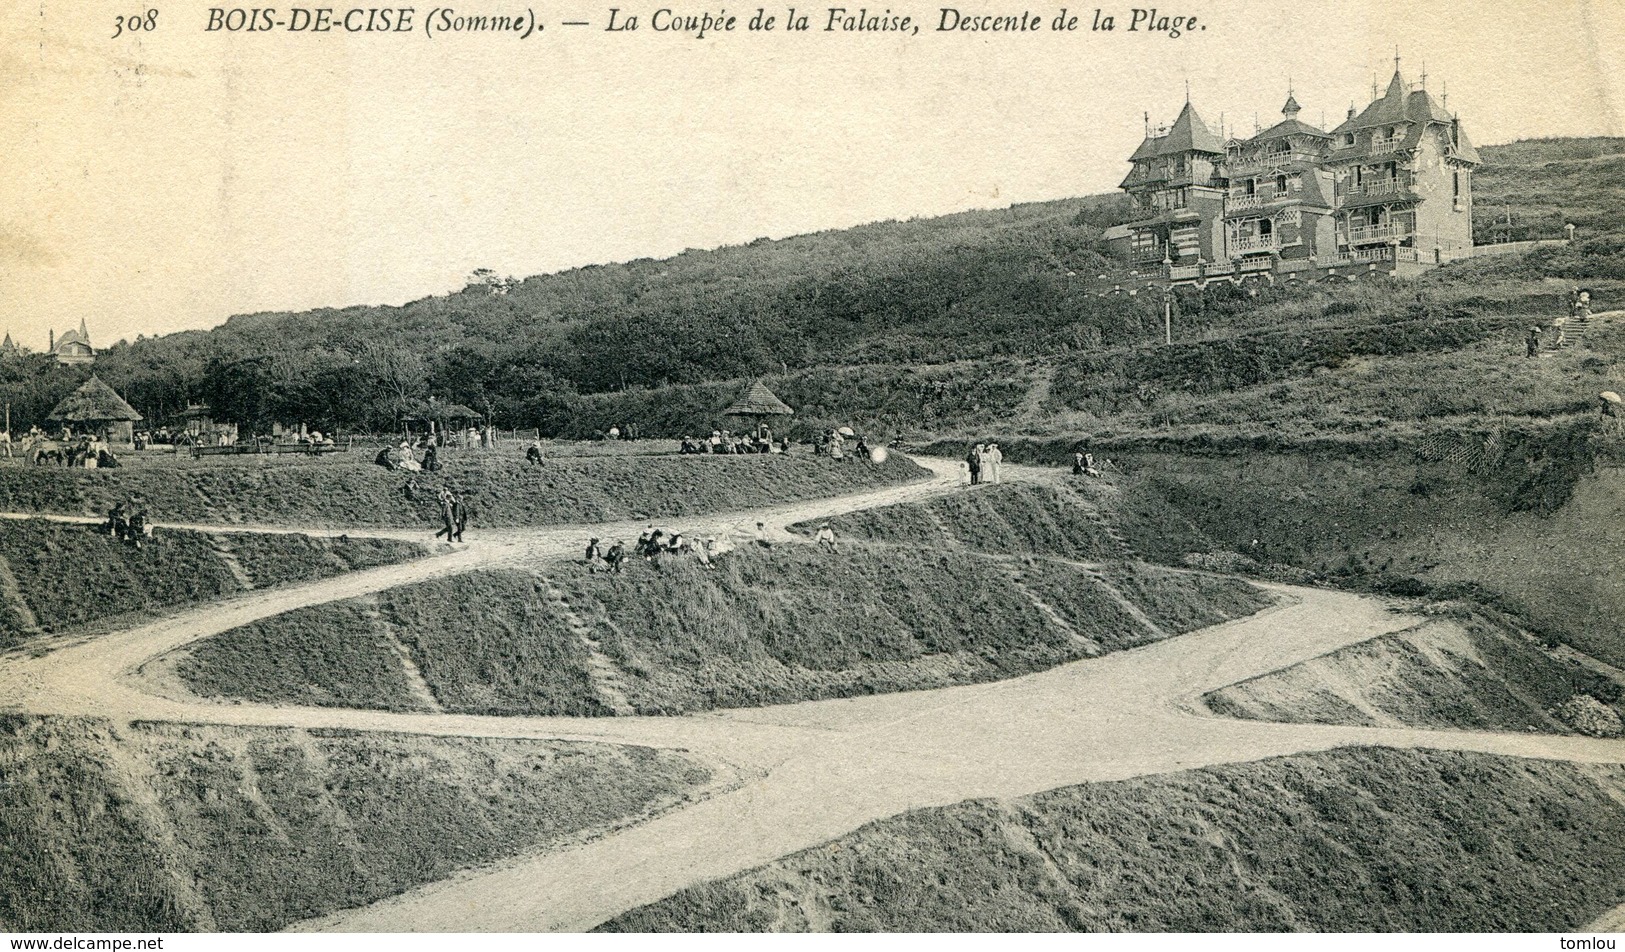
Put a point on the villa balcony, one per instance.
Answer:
(1255, 244)
(1375, 234)
(1263, 163)
(1241, 203)
(1396, 187)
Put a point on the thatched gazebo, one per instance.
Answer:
(756, 404)
(444, 416)
(97, 408)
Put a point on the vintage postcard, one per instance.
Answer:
(951, 467)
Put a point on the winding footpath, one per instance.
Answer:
(810, 771)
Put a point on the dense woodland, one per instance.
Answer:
(894, 296)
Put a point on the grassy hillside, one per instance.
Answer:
(1347, 841)
(762, 628)
(57, 578)
(839, 316)
(501, 490)
(170, 828)
(1461, 672)
(975, 283)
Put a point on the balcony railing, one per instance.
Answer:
(1243, 165)
(1370, 234)
(1182, 272)
(1255, 244)
(1236, 203)
(1357, 256)
(1148, 255)
(1385, 143)
(1394, 186)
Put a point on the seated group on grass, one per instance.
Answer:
(127, 522)
(652, 544)
(726, 443)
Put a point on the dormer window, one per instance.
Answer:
(1348, 138)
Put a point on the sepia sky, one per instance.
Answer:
(165, 181)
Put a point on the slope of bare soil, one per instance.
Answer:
(155, 827)
(1358, 839)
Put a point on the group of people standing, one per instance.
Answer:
(982, 464)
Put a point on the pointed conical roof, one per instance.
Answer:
(758, 400)
(94, 402)
(1291, 109)
(1190, 134)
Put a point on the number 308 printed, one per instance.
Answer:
(140, 22)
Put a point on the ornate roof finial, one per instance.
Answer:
(1373, 86)
(1424, 75)
(1396, 58)
(1446, 102)
(1187, 91)
(1148, 124)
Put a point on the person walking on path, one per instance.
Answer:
(459, 515)
(1532, 343)
(995, 458)
(826, 539)
(761, 536)
(447, 517)
(973, 460)
(592, 555)
(616, 557)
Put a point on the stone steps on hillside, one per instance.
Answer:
(1574, 331)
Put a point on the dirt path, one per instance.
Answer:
(819, 769)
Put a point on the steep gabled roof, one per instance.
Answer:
(1400, 104)
(93, 402)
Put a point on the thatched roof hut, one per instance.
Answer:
(758, 401)
(94, 403)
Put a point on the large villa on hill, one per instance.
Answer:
(1390, 190)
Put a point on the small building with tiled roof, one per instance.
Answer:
(73, 347)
